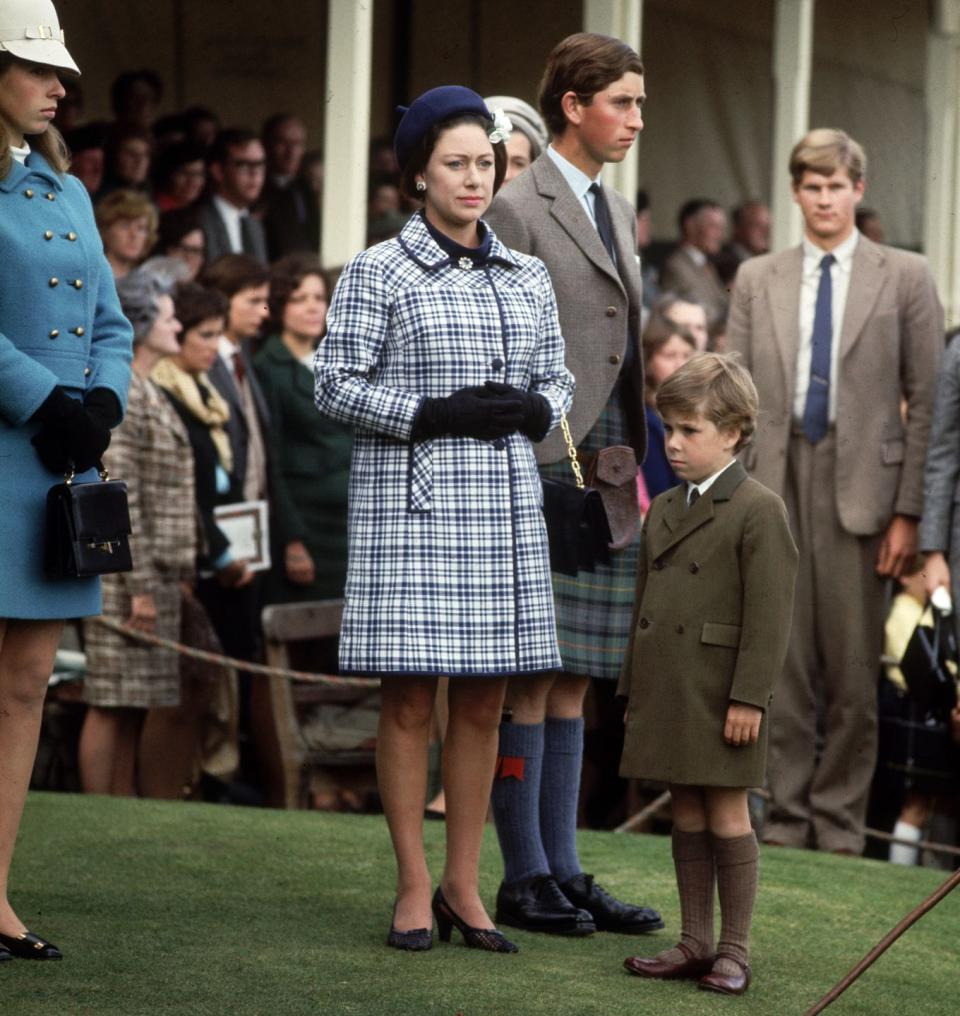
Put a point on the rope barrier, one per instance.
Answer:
(219, 660)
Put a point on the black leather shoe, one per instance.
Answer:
(537, 904)
(609, 914)
(30, 947)
(5, 954)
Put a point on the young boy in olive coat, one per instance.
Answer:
(709, 635)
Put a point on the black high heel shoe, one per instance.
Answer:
(29, 946)
(488, 939)
(415, 940)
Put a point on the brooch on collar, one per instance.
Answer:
(465, 263)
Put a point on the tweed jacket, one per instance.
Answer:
(60, 324)
(890, 346)
(538, 214)
(698, 285)
(448, 568)
(150, 452)
(714, 604)
(218, 240)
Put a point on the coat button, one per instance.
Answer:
(54, 281)
(658, 565)
(77, 283)
(611, 312)
(28, 193)
(679, 629)
(87, 372)
(497, 364)
(644, 623)
(71, 236)
(694, 567)
(616, 358)
(48, 235)
(54, 333)
(50, 196)
(499, 444)
(79, 330)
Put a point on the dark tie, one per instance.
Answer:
(694, 497)
(239, 370)
(816, 412)
(604, 225)
(247, 239)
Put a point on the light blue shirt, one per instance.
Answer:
(578, 181)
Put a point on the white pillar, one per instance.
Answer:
(941, 228)
(792, 57)
(346, 132)
(623, 19)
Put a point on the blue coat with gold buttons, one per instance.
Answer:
(60, 324)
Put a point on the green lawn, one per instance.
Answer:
(197, 909)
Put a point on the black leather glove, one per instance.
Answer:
(104, 405)
(537, 413)
(469, 412)
(70, 435)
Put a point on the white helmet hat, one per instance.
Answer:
(30, 30)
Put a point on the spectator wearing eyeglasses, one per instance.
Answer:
(129, 152)
(180, 236)
(180, 176)
(237, 169)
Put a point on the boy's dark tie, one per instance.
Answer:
(604, 225)
(693, 498)
(816, 412)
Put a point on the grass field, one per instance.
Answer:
(197, 909)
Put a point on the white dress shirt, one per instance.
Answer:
(809, 285)
(231, 216)
(578, 182)
(695, 254)
(704, 485)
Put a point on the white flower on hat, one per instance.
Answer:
(502, 127)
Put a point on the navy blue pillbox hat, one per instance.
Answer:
(432, 107)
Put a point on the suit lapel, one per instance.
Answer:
(866, 280)
(784, 295)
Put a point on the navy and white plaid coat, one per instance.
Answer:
(448, 569)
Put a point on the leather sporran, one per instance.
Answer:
(577, 528)
(929, 666)
(613, 473)
(87, 528)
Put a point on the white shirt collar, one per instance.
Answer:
(704, 485)
(813, 255)
(227, 350)
(20, 154)
(577, 180)
(695, 254)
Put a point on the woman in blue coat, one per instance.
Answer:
(444, 351)
(65, 352)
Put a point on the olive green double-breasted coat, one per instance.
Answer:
(711, 624)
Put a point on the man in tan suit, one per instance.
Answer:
(840, 334)
(689, 271)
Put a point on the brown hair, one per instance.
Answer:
(423, 149)
(195, 304)
(584, 63)
(659, 331)
(717, 386)
(49, 144)
(825, 150)
(233, 272)
(285, 278)
(120, 205)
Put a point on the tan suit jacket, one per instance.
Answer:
(699, 285)
(712, 622)
(890, 346)
(538, 213)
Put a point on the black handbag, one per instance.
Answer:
(578, 530)
(929, 666)
(88, 528)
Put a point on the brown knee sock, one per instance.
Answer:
(693, 861)
(737, 870)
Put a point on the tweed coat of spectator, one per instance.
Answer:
(448, 568)
(60, 324)
(151, 451)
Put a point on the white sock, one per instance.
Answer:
(900, 853)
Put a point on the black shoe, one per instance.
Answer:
(537, 904)
(29, 947)
(609, 914)
(414, 940)
(5, 954)
(488, 939)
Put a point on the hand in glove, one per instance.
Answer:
(70, 434)
(470, 412)
(537, 413)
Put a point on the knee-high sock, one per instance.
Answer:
(516, 800)
(559, 794)
(696, 883)
(737, 861)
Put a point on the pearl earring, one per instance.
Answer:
(421, 186)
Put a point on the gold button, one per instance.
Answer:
(79, 330)
(54, 282)
(87, 372)
(77, 283)
(48, 235)
(611, 312)
(71, 236)
(615, 358)
(50, 196)
(54, 333)
(28, 193)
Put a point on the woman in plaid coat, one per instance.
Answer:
(444, 351)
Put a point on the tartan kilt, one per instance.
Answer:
(122, 673)
(594, 609)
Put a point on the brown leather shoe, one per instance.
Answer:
(728, 984)
(692, 968)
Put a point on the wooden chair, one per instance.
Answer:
(276, 704)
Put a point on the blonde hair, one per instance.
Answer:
(49, 144)
(717, 386)
(825, 150)
(127, 204)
